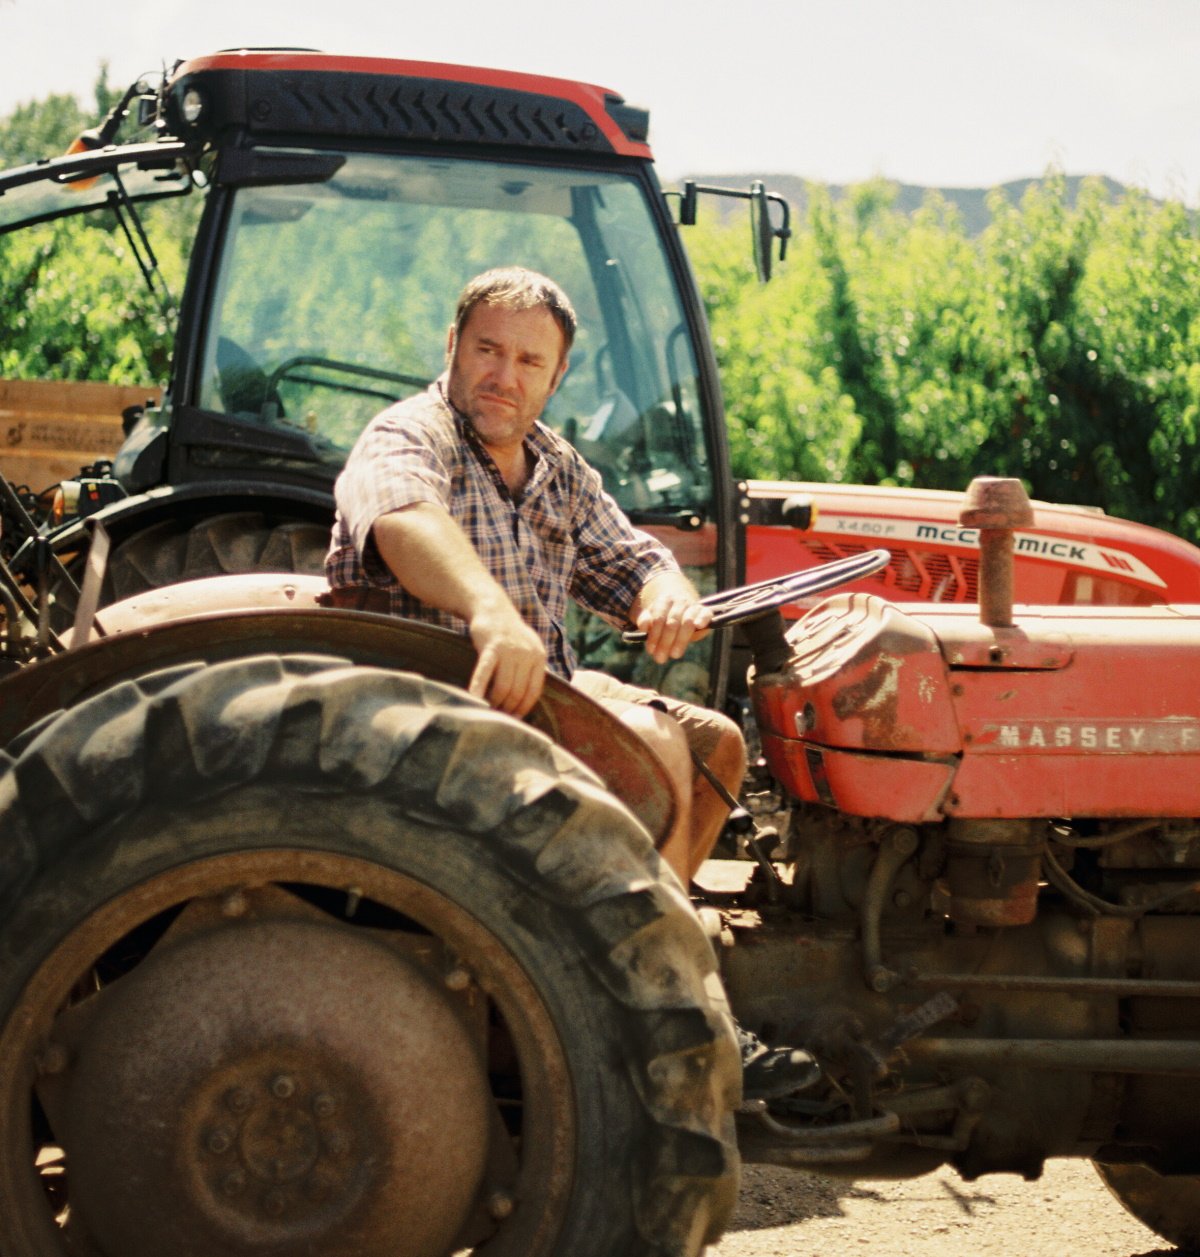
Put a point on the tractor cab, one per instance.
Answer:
(347, 201)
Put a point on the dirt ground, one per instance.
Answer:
(1066, 1213)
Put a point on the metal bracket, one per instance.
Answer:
(93, 580)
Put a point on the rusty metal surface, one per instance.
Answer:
(861, 784)
(1024, 647)
(993, 871)
(316, 1085)
(611, 750)
(998, 502)
(249, 591)
(863, 674)
(1105, 720)
(996, 577)
(1116, 734)
(1035, 1023)
(1123, 988)
(275, 1080)
(1177, 1057)
(997, 507)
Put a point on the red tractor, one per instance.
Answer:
(304, 950)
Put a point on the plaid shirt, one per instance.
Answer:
(564, 537)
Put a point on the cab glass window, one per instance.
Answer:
(335, 297)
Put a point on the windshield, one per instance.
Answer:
(76, 185)
(335, 298)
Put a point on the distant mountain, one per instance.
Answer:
(971, 202)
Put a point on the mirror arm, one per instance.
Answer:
(688, 204)
(782, 233)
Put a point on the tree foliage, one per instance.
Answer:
(1061, 346)
(45, 127)
(76, 307)
(75, 304)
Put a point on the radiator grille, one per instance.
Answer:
(924, 575)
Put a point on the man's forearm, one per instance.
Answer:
(430, 555)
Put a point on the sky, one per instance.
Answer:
(957, 93)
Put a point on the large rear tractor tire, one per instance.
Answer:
(230, 544)
(298, 957)
(1168, 1205)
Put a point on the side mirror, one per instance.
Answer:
(687, 204)
(764, 233)
(147, 110)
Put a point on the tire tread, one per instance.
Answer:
(450, 761)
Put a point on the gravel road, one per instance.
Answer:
(1066, 1213)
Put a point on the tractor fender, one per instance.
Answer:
(285, 618)
(248, 591)
(124, 518)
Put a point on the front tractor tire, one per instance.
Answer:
(300, 957)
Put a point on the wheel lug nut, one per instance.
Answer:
(219, 1140)
(238, 1099)
(52, 1059)
(324, 1105)
(282, 1087)
(458, 979)
(234, 904)
(274, 1202)
(500, 1205)
(233, 1183)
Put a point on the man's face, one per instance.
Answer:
(503, 368)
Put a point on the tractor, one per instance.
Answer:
(304, 950)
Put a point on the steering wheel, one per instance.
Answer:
(287, 371)
(751, 602)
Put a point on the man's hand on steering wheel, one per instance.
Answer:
(669, 611)
(736, 606)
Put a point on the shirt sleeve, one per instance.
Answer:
(614, 559)
(404, 456)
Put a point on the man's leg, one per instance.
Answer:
(677, 731)
(717, 743)
(665, 738)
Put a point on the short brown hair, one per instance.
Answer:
(515, 288)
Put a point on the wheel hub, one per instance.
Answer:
(290, 1084)
(279, 1138)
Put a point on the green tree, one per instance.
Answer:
(1062, 345)
(46, 128)
(75, 304)
(789, 415)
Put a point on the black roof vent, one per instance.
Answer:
(332, 104)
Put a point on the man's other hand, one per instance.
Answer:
(430, 555)
(669, 612)
(511, 668)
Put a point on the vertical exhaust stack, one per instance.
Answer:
(996, 506)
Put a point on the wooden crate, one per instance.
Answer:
(49, 429)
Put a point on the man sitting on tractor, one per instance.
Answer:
(460, 508)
